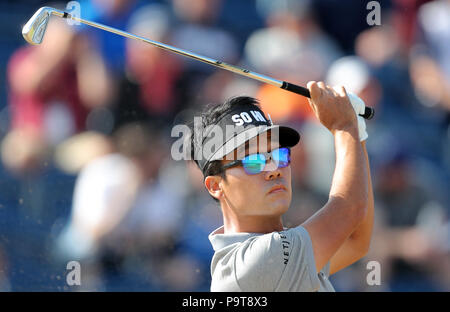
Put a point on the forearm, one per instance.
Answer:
(363, 233)
(349, 186)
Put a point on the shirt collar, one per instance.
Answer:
(220, 240)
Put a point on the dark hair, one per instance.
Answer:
(210, 116)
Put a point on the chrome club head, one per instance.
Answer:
(34, 29)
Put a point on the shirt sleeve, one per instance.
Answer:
(278, 261)
(326, 270)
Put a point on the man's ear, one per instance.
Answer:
(213, 185)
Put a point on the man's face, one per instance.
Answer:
(254, 195)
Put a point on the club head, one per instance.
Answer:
(34, 29)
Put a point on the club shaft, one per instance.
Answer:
(201, 58)
(368, 114)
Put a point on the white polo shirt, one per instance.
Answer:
(277, 261)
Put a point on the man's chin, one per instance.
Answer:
(279, 206)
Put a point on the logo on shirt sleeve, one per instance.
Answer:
(285, 244)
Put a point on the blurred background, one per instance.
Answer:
(86, 172)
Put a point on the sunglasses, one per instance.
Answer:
(255, 163)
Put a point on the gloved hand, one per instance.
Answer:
(359, 107)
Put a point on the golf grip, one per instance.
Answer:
(368, 111)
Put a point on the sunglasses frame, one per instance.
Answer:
(267, 155)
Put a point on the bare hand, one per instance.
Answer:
(332, 107)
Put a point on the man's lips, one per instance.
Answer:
(277, 188)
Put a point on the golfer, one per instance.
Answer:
(249, 175)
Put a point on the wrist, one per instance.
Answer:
(350, 129)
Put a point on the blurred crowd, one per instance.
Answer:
(86, 171)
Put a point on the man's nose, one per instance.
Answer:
(272, 170)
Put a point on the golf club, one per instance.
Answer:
(34, 31)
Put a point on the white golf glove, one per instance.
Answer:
(359, 107)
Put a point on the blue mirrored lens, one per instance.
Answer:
(282, 157)
(254, 163)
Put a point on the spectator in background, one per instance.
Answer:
(114, 13)
(292, 47)
(404, 18)
(197, 31)
(429, 69)
(344, 20)
(52, 88)
(413, 101)
(412, 227)
(147, 89)
(401, 111)
(434, 28)
(382, 49)
(201, 216)
(126, 214)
